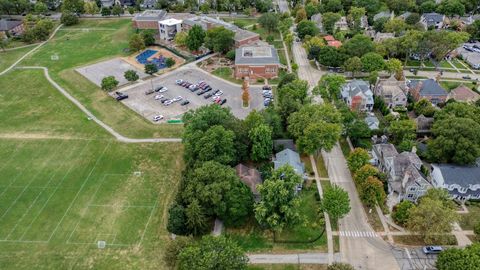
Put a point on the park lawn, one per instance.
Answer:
(413, 63)
(7, 58)
(60, 196)
(468, 221)
(253, 239)
(226, 73)
(264, 33)
(241, 22)
(308, 165)
(456, 62)
(448, 85)
(445, 64)
(416, 240)
(278, 44)
(35, 108)
(75, 48)
(428, 63)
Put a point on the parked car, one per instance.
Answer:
(267, 87)
(179, 81)
(185, 102)
(215, 98)
(148, 92)
(157, 118)
(209, 88)
(218, 93)
(164, 89)
(157, 97)
(187, 85)
(168, 102)
(192, 87)
(163, 100)
(201, 92)
(223, 101)
(218, 101)
(158, 88)
(266, 102)
(432, 249)
(466, 77)
(120, 96)
(177, 98)
(208, 95)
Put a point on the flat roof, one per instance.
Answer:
(256, 55)
(151, 15)
(170, 22)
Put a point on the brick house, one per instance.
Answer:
(256, 62)
(11, 28)
(392, 92)
(463, 94)
(148, 19)
(428, 89)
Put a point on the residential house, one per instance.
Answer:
(148, 3)
(463, 94)
(169, 28)
(317, 19)
(404, 15)
(107, 3)
(331, 41)
(292, 158)
(251, 177)
(357, 95)
(432, 20)
(372, 121)
(392, 92)
(379, 37)
(242, 37)
(125, 3)
(405, 181)
(281, 144)
(11, 28)
(470, 53)
(148, 19)
(256, 62)
(461, 182)
(364, 22)
(341, 24)
(428, 89)
(383, 14)
(424, 124)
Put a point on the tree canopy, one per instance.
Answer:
(335, 202)
(195, 38)
(219, 39)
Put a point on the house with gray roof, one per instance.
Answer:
(405, 181)
(256, 62)
(318, 20)
(149, 19)
(427, 89)
(372, 121)
(11, 28)
(461, 182)
(357, 95)
(292, 158)
(383, 14)
(404, 15)
(432, 20)
(148, 3)
(250, 177)
(392, 92)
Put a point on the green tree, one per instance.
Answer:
(372, 62)
(331, 57)
(131, 75)
(335, 202)
(431, 219)
(361, 175)
(413, 19)
(219, 39)
(315, 127)
(196, 219)
(451, 7)
(400, 6)
(117, 10)
(106, 11)
(109, 83)
(311, 9)
(402, 130)
(396, 26)
(394, 66)
(173, 249)
(305, 28)
(68, 18)
(181, 38)
(358, 158)
(474, 30)
(40, 8)
(459, 109)
(459, 259)
(301, 15)
(74, 6)
(279, 206)
(331, 84)
(353, 64)
(354, 17)
(476, 230)
(195, 38)
(400, 212)
(440, 43)
(177, 221)
(269, 21)
(151, 68)
(328, 20)
(291, 97)
(90, 8)
(212, 253)
(262, 143)
(169, 62)
(148, 37)
(358, 45)
(136, 43)
(428, 6)
(425, 107)
(372, 192)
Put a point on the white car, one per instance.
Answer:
(157, 118)
(215, 98)
(157, 97)
(164, 89)
(177, 98)
(219, 93)
(179, 81)
(193, 86)
(267, 92)
(168, 102)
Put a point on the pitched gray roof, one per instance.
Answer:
(431, 88)
(6, 25)
(385, 150)
(150, 15)
(289, 157)
(402, 161)
(256, 55)
(383, 14)
(433, 18)
(460, 175)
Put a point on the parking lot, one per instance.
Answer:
(414, 259)
(114, 67)
(148, 106)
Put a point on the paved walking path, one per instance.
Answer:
(297, 258)
(19, 47)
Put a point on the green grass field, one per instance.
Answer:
(75, 47)
(7, 58)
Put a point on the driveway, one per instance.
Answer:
(147, 106)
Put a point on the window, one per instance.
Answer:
(410, 196)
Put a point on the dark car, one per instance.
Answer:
(466, 77)
(163, 99)
(158, 88)
(121, 96)
(216, 91)
(201, 92)
(223, 101)
(208, 95)
(185, 102)
(266, 87)
(209, 88)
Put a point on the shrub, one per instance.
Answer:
(109, 83)
(400, 212)
(150, 68)
(131, 75)
(68, 18)
(476, 230)
(230, 55)
(106, 12)
(270, 39)
(169, 62)
(260, 80)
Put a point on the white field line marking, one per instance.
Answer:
(78, 193)
(85, 209)
(148, 222)
(33, 179)
(40, 193)
(20, 173)
(54, 191)
(12, 155)
(123, 206)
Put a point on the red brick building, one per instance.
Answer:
(427, 89)
(256, 62)
(148, 19)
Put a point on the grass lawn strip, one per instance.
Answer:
(7, 58)
(468, 221)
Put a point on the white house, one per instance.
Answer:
(357, 95)
(461, 182)
(169, 28)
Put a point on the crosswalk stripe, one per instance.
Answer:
(358, 234)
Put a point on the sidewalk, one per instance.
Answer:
(297, 258)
